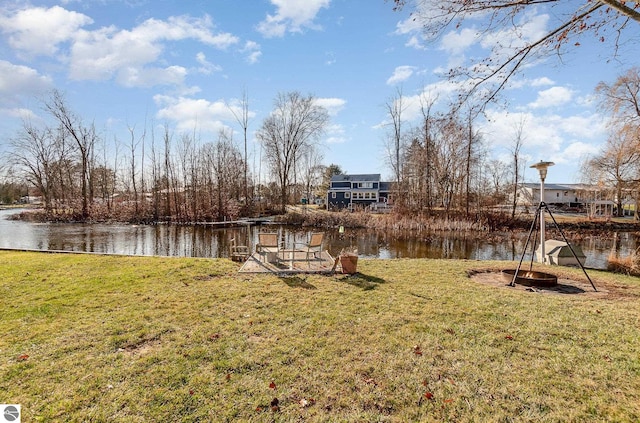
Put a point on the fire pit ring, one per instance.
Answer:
(530, 278)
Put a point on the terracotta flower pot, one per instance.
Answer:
(349, 263)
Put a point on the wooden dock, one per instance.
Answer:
(291, 262)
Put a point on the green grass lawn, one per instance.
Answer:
(86, 338)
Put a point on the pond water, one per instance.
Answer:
(208, 241)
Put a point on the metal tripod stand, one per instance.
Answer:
(544, 206)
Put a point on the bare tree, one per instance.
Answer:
(426, 107)
(134, 143)
(311, 172)
(516, 146)
(84, 137)
(394, 110)
(509, 55)
(36, 151)
(622, 100)
(497, 174)
(618, 164)
(471, 157)
(242, 117)
(296, 123)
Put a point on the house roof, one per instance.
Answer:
(559, 187)
(369, 177)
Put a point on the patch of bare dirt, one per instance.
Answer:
(579, 287)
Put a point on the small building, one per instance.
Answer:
(353, 192)
(559, 253)
(595, 200)
(557, 194)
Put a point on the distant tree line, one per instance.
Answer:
(156, 175)
(441, 164)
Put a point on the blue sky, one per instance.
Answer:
(126, 62)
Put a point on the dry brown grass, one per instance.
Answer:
(629, 265)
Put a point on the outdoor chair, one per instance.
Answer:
(239, 252)
(314, 246)
(268, 246)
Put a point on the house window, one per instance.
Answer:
(557, 194)
(347, 195)
(365, 184)
(333, 194)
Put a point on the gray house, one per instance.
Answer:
(358, 192)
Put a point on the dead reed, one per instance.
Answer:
(629, 265)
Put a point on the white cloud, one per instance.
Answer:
(400, 74)
(409, 26)
(541, 82)
(554, 96)
(531, 27)
(19, 113)
(333, 105)
(206, 67)
(18, 80)
(149, 77)
(577, 151)
(291, 16)
(563, 140)
(253, 51)
(336, 134)
(416, 43)
(456, 42)
(183, 27)
(194, 114)
(101, 54)
(131, 57)
(39, 31)
(440, 93)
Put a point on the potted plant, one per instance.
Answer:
(349, 261)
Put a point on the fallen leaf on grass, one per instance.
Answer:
(275, 405)
(191, 391)
(428, 395)
(509, 337)
(23, 357)
(214, 337)
(272, 385)
(228, 376)
(447, 401)
(417, 350)
(304, 403)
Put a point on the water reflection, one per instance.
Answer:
(208, 241)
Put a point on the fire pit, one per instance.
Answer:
(530, 278)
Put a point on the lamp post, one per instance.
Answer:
(542, 168)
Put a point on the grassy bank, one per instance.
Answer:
(93, 338)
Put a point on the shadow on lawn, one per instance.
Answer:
(366, 282)
(297, 282)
